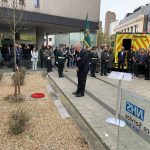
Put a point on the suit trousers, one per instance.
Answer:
(121, 63)
(82, 76)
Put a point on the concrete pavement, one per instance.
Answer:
(99, 102)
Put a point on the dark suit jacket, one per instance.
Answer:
(83, 61)
(121, 56)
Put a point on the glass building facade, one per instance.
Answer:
(73, 38)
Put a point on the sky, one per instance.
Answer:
(120, 7)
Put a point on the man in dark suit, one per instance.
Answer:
(82, 70)
(121, 59)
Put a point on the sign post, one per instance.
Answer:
(118, 76)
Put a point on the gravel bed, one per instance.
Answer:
(46, 130)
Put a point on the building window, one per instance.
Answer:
(135, 27)
(21, 2)
(37, 3)
(132, 29)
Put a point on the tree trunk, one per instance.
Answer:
(15, 93)
(18, 76)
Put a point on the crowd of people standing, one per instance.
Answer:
(137, 61)
(101, 59)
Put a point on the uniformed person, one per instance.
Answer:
(60, 61)
(136, 60)
(99, 52)
(49, 59)
(104, 61)
(93, 58)
(55, 55)
(130, 55)
(66, 54)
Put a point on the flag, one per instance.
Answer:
(87, 40)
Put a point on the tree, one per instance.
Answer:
(101, 37)
(13, 17)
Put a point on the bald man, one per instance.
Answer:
(82, 70)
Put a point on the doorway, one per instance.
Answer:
(127, 44)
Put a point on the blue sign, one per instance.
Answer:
(135, 110)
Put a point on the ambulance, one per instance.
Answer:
(128, 40)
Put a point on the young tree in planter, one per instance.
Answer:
(13, 17)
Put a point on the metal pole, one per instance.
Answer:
(118, 98)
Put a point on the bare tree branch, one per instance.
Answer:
(14, 19)
(20, 16)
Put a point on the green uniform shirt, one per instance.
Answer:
(60, 57)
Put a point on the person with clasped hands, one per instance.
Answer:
(82, 70)
(34, 58)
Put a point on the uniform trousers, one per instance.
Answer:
(93, 68)
(60, 69)
(104, 68)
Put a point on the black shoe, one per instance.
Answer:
(101, 74)
(61, 76)
(79, 95)
(94, 76)
(74, 93)
(146, 78)
(105, 74)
